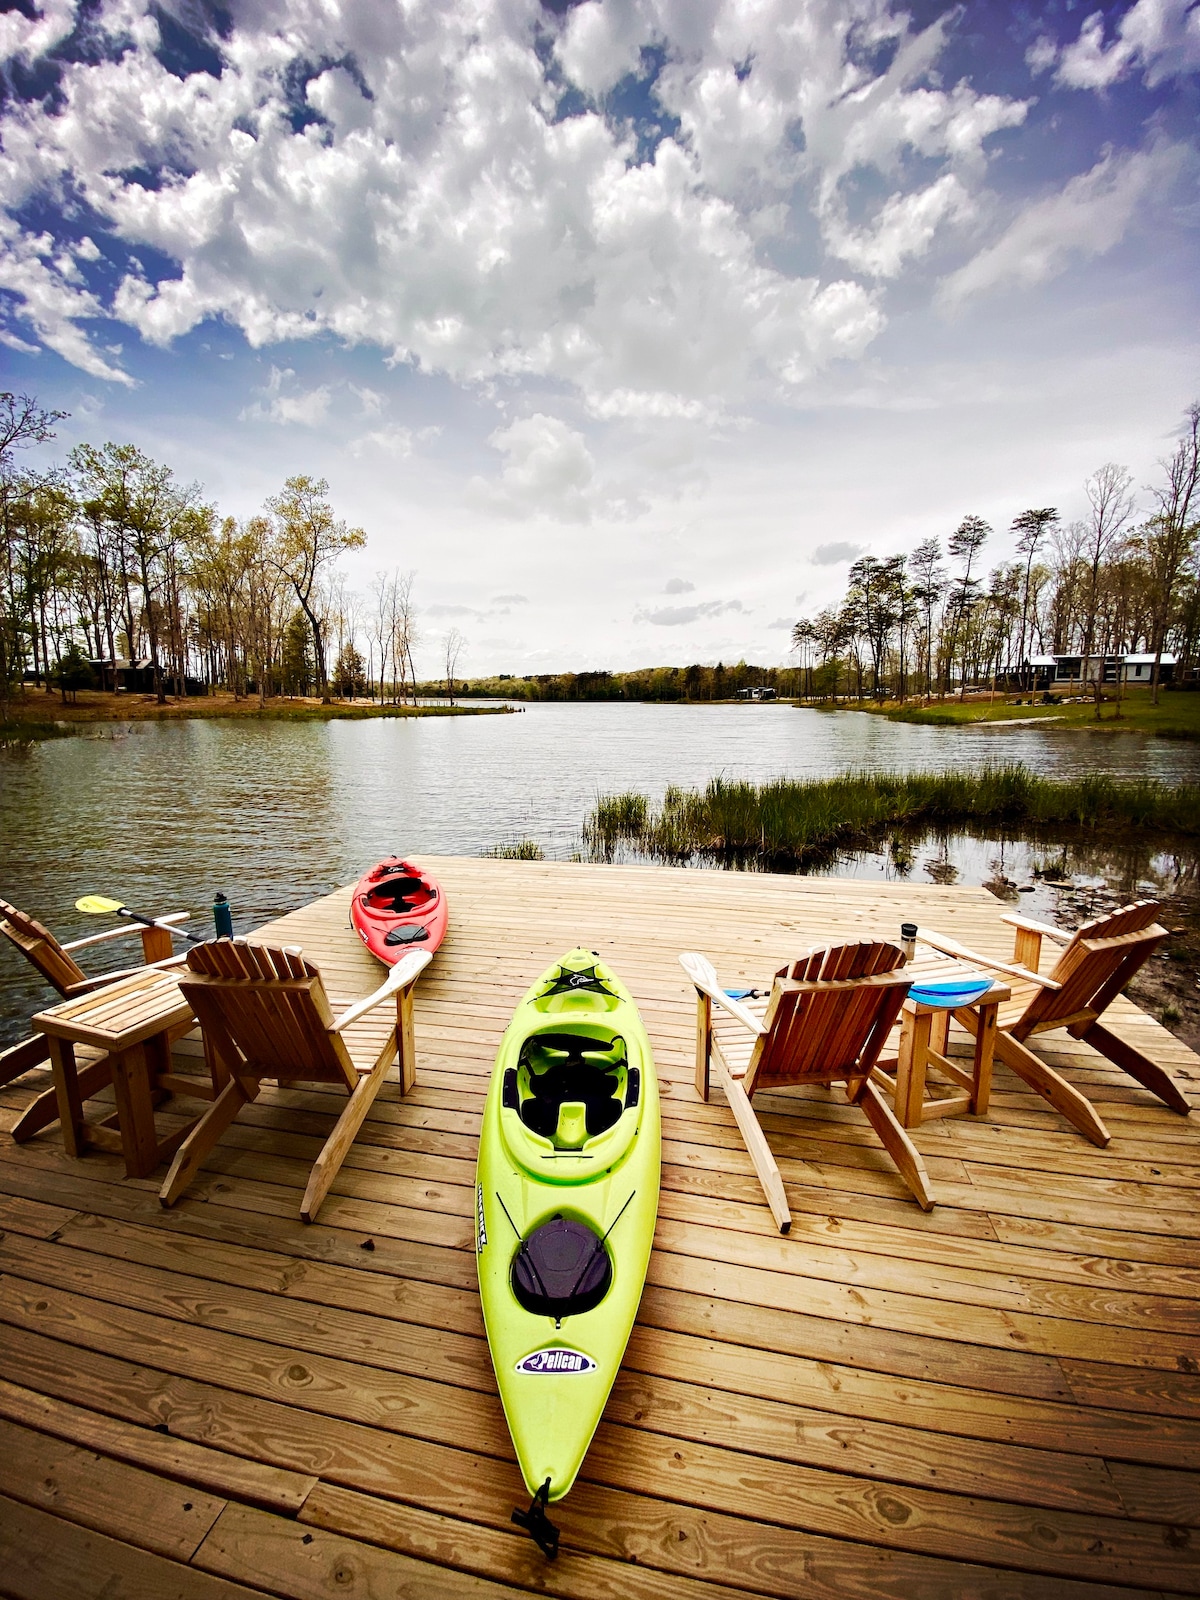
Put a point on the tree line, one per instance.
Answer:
(109, 556)
(1110, 583)
(660, 684)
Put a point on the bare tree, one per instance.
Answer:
(928, 581)
(964, 544)
(150, 515)
(406, 630)
(804, 638)
(453, 649)
(308, 538)
(1111, 505)
(22, 423)
(1031, 528)
(1170, 536)
(382, 632)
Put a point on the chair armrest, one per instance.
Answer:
(951, 947)
(122, 932)
(703, 974)
(1044, 928)
(405, 972)
(103, 979)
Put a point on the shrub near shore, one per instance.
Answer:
(788, 821)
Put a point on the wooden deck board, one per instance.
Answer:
(1000, 1398)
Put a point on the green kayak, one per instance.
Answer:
(566, 1201)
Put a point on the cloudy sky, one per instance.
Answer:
(626, 324)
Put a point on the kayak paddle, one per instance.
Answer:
(96, 905)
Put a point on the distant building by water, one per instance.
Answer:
(1063, 671)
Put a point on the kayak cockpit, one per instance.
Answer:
(399, 893)
(572, 1091)
(570, 1087)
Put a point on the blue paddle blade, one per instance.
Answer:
(951, 992)
(742, 994)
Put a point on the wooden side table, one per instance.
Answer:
(924, 1031)
(133, 1022)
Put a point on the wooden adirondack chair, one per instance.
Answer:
(1098, 960)
(58, 966)
(826, 1021)
(264, 1013)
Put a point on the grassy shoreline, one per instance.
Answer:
(1177, 715)
(39, 716)
(789, 822)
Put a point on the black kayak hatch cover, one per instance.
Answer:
(407, 933)
(561, 1269)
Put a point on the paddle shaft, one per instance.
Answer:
(153, 922)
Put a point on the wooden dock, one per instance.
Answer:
(998, 1399)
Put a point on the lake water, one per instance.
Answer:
(273, 813)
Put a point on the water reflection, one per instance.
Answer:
(163, 814)
(1068, 878)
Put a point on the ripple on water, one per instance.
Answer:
(275, 813)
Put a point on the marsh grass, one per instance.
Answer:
(789, 822)
(523, 850)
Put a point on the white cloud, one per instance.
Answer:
(680, 616)
(1159, 37)
(22, 345)
(369, 399)
(25, 38)
(1087, 217)
(678, 586)
(601, 43)
(437, 209)
(548, 471)
(1042, 54)
(43, 279)
(834, 553)
(902, 229)
(395, 441)
(279, 404)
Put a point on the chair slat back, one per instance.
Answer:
(1133, 918)
(267, 1012)
(38, 945)
(1102, 957)
(828, 1015)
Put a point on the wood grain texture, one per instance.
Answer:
(998, 1399)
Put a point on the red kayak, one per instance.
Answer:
(397, 907)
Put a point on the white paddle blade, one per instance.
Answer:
(408, 969)
(701, 971)
(704, 975)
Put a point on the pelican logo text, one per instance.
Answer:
(556, 1361)
(482, 1228)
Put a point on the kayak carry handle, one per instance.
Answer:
(537, 1524)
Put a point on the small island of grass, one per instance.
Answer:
(790, 822)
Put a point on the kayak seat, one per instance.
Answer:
(561, 1269)
(586, 1092)
(398, 894)
(572, 1125)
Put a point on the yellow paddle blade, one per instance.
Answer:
(96, 904)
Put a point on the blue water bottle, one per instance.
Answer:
(222, 917)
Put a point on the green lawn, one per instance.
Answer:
(1177, 715)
